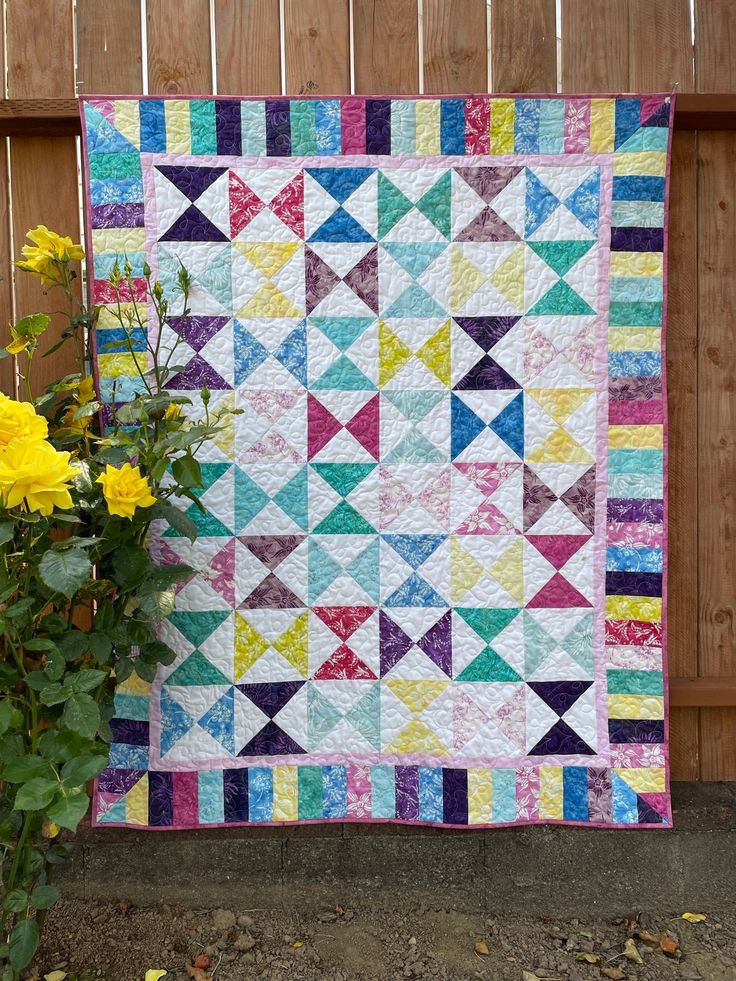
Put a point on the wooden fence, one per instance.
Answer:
(56, 48)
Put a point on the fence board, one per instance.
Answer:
(660, 46)
(595, 46)
(44, 170)
(179, 56)
(683, 448)
(248, 47)
(109, 48)
(317, 46)
(7, 375)
(715, 42)
(523, 46)
(386, 46)
(455, 46)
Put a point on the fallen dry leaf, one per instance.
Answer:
(669, 946)
(650, 939)
(631, 952)
(694, 917)
(55, 976)
(481, 947)
(614, 973)
(589, 958)
(155, 974)
(528, 976)
(296, 944)
(202, 961)
(197, 974)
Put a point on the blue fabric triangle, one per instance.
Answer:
(415, 591)
(248, 353)
(509, 424)
(341, 227)
(340, 182)
(584, 202)
(414, 257)
(414, 549)
(219, 720)
(628, 119)
(540, 203)
(466, 425)
(102, 137)
(292, 353)
(175, 722)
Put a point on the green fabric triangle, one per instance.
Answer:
(561, 256)
(435, 204)
(343, 477)
(342, 331)
(413, 404)
(345, 376)
(207, 524)
(393, 204)
(579, 642)
(322, 716)
(344, 520)
(538, 645)
(487, 623)
(414, 448)
(197, 670)
(364, 569)
(560, 300)
(197, 627)
(365, 716)
(488, 666)
(292, 498)
(415, 301)
(323, 570)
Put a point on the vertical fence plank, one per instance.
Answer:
(682, 340)
(109, 47)
(44, 170)
(386, 46)
(317, 46)
(455, 46)
(595, 46)
(248, 47)
(660, 46)
(7, 375)
(179, 56)
(715, 70)
(523, 46)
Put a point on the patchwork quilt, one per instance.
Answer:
(430, 569)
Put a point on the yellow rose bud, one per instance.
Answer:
(49, 829)
(173, 411)
(20, 419)
(86, 390)
(125, 490)
(35, 475)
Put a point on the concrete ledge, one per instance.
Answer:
(538, 870)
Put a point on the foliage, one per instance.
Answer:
(80, 596)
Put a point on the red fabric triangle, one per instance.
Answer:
(344, 664)
(288, 204)
(244, 204)
(558, 594)
(321, 426)
(557, 549)
(364, 426)
(343, 620)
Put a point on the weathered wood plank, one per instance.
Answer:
(179, 55)
(317, 46)
(7, 374)
(523, 46)
(595, 46)
(455, 46)
(386, 46)
(109, 47)
(248, 47)
(715, 43)
(660, 46)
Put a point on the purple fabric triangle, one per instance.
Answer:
(487, 227)
(193, 226)
(559, 695)
(271, 741)
(192, 181)
(319, 279)
(112, 781)
(538, 498)
(271, 550)
(363, 279)
(561, 740)
(437, 643)
(197, 331)
(270, 696)
(197, 374)
(394, 643)
(486, 374)
(271, 594)
(580, 498)
(487, 182)
(487, 331)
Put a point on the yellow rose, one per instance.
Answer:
(125, 490)
(33, 473)
(173, 411)
(86, 390)
(48, 249)
(20, 419)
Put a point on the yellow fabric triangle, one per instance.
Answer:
(136, 802)
(560, 447)
(417, 737)
(249, 646)
(435, 353)
(269, 257)
(133, 685)
(560, 403)
(416, 695)
(292, 644)
(509, 277)
(225, 438)
(393, 354)
(465, 571)
(269, 301)
(508, 571)
(465, 278)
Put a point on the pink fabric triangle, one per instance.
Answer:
(558, 594)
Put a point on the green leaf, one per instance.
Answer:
(66, 571)
(157, 603)
(59, 853)
(6, 715)
(86, 679)
(162, 576)
(23, 943)
(39, 644)
(35, 795)
(177, 519)
(44, 897)
(69, 811)
(145, 670)
(55, 694)
(73, 644)
(59, 745)
(54, 665)
(77, 772)
(129, 563)
(16, 901)
(7, 530)
(100, 645)
(8, 676)
(27, 768)
(158, 653)
(81, 714)
(20, 608)
(187, 471)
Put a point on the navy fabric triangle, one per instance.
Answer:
(341, 227)
(646, 813)
(486, 375)
(192, 181)
(559, 695)
(270, 696)
(271, 741)
(561, 740)
(340, 181)
(509, 424)
(465, 426)
(193, 226)
(659, 118)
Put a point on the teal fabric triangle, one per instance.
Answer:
(344, 520)
(414, 257)
(561, 256)
(579, 642)
(322, 716)
(393, 204)
(413, 404)
(415, 301)
(365, 716)
(414, 448)
(250, 499)
(434, 204)
(342, 331)
(197, 670)
(323, 570)
(197, 627)
(486, 622)
(538, 645)
(364, 569)
(488, 666)
(345, 376)
(293, 498)
(343, 477)
(561, 300)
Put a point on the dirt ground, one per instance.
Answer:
(119, 943)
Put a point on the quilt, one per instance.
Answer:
(430, 571)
